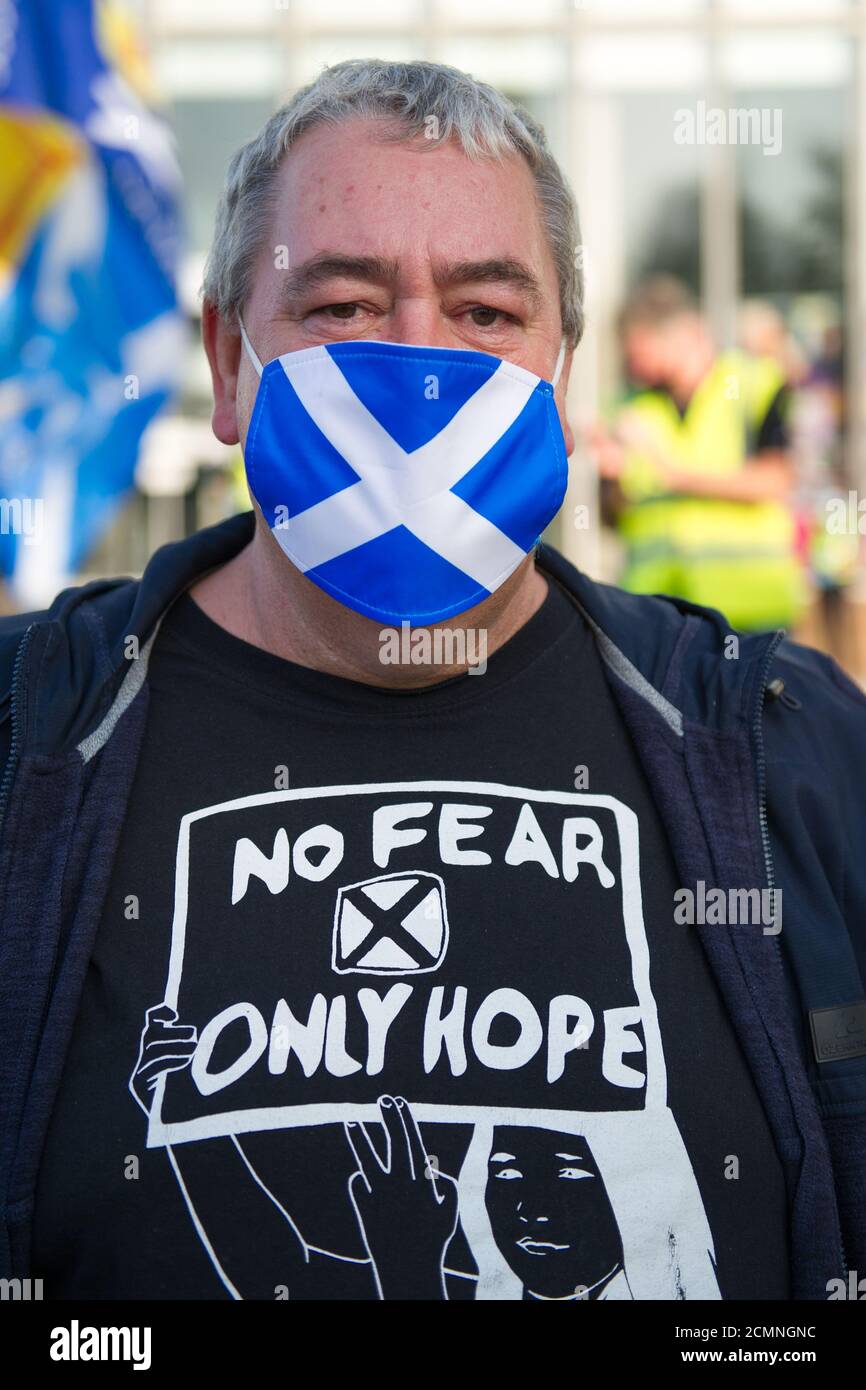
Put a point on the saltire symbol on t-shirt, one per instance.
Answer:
(396, 924)
(452, 497)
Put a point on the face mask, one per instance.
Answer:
(407, 482)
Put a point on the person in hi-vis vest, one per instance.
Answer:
(700, 463)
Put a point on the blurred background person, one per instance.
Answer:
(699, 453)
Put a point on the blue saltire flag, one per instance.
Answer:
(91, 339)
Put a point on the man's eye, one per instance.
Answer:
(485, 317)
(341, 311)
(509, 1173)
(574, 1173)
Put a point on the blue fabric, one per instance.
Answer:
(389, 395)
(90, 334)
(60, 826)
(398, 574)
(280, 422)
(412, 393)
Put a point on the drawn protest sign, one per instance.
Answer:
(360, 951)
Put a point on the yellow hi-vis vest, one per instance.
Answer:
(738, 557)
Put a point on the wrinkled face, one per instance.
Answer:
(549, 1210)
(399, 241)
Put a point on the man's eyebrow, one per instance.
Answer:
(574, 1157)
(501, 1158)
(332, 266)
(503, 270)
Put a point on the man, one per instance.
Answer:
(700, 456)
(308, 914)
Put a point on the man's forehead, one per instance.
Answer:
(347, 174)
(349, 146)
(344, 189)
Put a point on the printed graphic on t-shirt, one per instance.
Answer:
(454, 978)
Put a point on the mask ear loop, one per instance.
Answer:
(559, 361)
(251, 352)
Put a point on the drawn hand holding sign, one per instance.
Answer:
(166, 1045)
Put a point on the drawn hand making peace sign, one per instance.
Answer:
(407, 1210)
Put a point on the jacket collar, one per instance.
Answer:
(681, 659)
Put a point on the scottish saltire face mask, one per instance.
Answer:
(407, 482)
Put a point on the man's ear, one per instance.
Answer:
(562, 392)
(222, 343)
(568, 436)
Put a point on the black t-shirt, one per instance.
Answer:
(436, 1032)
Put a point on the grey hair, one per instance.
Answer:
(432, 99)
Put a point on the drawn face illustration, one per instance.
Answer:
(549, 1211)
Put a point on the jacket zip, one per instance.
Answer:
(12, 760)
(757, 728)
(761, 762)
